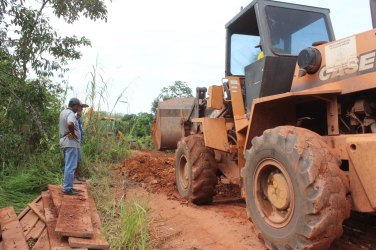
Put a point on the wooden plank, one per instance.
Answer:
(5, 214)
(38, 199)
(39, 227)
(56, 195)
(11, 230)
(98, 241)
(82, 190)
(38, 210)
(43, 242)
(56, 241)
(29, 221)
(74, 216)
(23, 213)
(36, 231)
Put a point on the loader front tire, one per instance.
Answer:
(295, 190)
(195, 170)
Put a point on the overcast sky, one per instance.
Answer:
(147, 44)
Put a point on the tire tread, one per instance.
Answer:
(204, 179)
(325, 185)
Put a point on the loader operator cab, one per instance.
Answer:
(283, 30)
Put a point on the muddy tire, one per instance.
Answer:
(295, 190)
(195, 170)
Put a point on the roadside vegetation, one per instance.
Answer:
(25, 174)
(33, 90)
(32, 54)
(124, 223)
(27, 165)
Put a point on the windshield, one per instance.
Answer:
(243, 52)
(294, 30)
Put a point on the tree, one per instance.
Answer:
(33, 45)
(26, 32)
(138, 125)
(30, 46)
(178, 90)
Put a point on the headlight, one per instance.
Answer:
(309, 60)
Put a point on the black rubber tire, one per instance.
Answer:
(320, 189)
(201, 179)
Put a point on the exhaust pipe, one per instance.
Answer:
(372, 4)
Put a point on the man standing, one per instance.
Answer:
(70, 143)
(77, 179)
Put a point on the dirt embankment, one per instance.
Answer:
(178, 224)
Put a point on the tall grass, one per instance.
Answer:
(20, 185)
(125, 223)
(98, 145)
(134, 224)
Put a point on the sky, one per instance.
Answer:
(146, 45)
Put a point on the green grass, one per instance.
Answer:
(133, 224)
(20, 185)
(125, 222)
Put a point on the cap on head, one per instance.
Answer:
(75, 101)
(83, 105)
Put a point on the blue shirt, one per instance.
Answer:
(81, 130)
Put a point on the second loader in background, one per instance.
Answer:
(294, 128)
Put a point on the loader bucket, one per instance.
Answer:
(168, 126)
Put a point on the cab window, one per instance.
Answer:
(243, 52)
(294, 30)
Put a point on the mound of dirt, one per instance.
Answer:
(155, 171)
(152, 170)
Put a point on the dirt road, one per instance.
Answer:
(177, 224)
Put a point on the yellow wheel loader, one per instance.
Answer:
(294, 128)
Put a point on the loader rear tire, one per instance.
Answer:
(296, 194)
(195, 170)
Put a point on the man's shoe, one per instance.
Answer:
(70, 192)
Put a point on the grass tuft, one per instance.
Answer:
(125, 222)
(133, 224)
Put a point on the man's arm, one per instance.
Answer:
(71, 134)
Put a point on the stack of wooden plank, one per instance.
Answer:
(53, 221)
